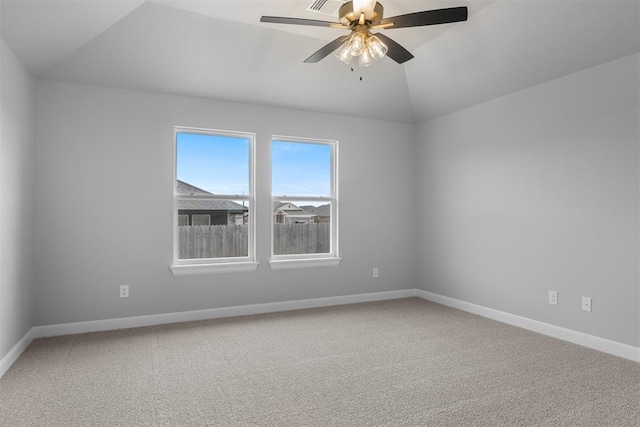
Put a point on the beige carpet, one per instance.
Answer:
(404, 362)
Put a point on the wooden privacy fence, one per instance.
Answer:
(232, 240)
(213, 241)
(311, 238)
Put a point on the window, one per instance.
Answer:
(200, 220)
(213, 201)
(304, 203)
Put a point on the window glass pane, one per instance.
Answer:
(217, 164)
(300, 169)
(301, 228)
(183, 220)
(201, 219)
(227, 236)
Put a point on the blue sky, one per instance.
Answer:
(300, 169)
(219, 164)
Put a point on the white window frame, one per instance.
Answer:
(181, 267)
(332, 258)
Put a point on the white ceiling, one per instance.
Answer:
(219, 49)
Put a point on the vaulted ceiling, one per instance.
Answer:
(219, 49)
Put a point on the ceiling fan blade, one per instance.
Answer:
(428, 17)
(395, 52)
(326, 50)
(296, 21)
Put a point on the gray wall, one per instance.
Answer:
(103, 153)
(534, 191)
(16, 200)
(538, 191)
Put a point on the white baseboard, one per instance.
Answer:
(586, 340)
(188, 316)
(601, 344)
(10, 358)
(213, 313)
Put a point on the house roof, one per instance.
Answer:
(323, 210)
(185, 188)
(210, 205)
(504, 47)
(293, 210)
(286, 207)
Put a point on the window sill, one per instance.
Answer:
(229, 267)
(286, 264)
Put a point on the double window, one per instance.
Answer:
(214, 202)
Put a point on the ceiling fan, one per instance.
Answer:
(362, 16)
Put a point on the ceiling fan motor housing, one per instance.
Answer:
(348, 17)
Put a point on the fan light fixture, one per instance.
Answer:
(364, 46)
(360, 17)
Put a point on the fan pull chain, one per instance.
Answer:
(360, 75)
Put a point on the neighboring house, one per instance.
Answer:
(207, 211)
(288, 213)
(322, 213)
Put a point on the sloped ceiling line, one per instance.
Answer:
(218, 49)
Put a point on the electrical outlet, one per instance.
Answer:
(375, 272)
(124, 291)
(586, 304)
(553, 297)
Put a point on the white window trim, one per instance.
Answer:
(282, 262)
(180, 267)
(221, 267)
(287, 264)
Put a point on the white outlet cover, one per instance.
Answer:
(586, 304)
(553, 297)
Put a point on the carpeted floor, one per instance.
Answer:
(405, 362)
